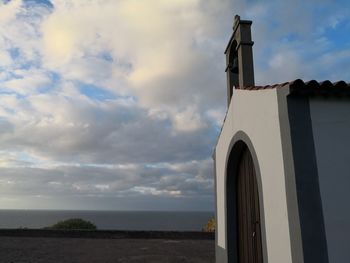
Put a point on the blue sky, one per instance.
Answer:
(117, 104)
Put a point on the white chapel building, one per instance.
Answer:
(282, 167)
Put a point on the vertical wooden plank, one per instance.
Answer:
(257, 221)
(249, 231)
(245, 211)
(250, 211)
(240, 215)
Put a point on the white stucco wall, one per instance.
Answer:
(331, 128)
(256, 113)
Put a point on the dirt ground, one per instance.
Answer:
(77, 250)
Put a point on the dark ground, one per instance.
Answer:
(86, 250)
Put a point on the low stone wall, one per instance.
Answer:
(109, 234)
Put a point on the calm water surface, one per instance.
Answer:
(118, 220)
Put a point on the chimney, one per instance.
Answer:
(239, 57)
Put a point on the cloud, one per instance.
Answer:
(5, 59)
(188, 120)
(119, 103)
(8, 11)
(26, 82)
(162, 48)
(107, 182)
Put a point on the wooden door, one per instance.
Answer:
(249, 230)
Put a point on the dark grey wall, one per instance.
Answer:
(307, 181)
(331, 129)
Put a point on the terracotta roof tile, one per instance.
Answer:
(313, 87)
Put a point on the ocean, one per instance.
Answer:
(108, 220)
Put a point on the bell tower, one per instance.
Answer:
(239, 57)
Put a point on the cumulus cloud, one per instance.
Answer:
(8, 11)
(160, 50)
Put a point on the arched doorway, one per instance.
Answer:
(243, 212)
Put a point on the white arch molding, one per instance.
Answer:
(238, 142)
